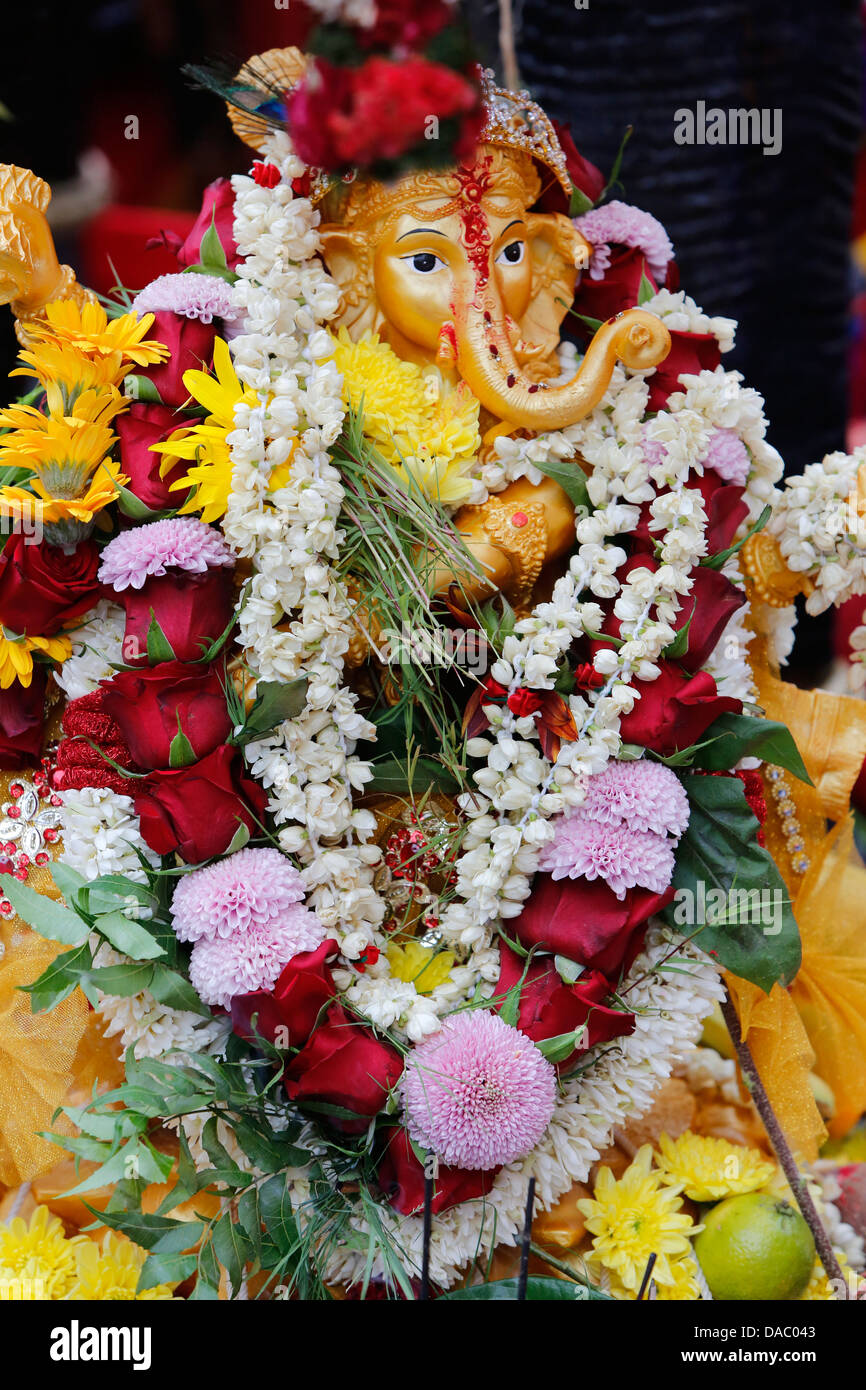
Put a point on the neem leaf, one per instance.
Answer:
(570, 477)
(729, 888)
(67, 880)
(172, 989)
(61, 977)
(46, 916)
(734, 736)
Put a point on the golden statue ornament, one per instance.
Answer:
(31, 275)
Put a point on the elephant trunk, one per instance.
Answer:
(487, 364)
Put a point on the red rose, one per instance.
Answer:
(584, 920)
(41, 587)
(690, 353)
(81, 764)
(549, 1007)
(711, 604)
(405, 24)
(723, 504)
(582, 172)
(295, 1003)
(674, 710)
(196, 810)
(22, 721)
(190, 343)
(401, 1178)
(218, 206)
(620, 288)
(191, 608)
(344, 1064)
(147, 705)
(141, 426)
(522, 702)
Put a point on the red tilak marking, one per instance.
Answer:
(474, 183)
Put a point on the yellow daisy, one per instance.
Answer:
(88, 328)
(707, 1169)
(101, 489)
(108, 1272)
(634, 1218)
(37, 1261)
(426, 431)
(420, 965)
(16, 655)
(204, 445)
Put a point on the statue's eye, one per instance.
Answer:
(425, 262)
(512, 254)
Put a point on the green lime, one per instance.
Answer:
(755, 1247)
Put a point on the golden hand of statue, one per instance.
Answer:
(30, 274)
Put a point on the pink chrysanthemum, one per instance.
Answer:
(620, 224)
(624, 858)
(728, 456)
(202, 297)
(642, 795)
(221, 968)
(478, 1093)
(181, 542)
(252, 889)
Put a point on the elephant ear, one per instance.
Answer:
(348, 258)
(557, 251)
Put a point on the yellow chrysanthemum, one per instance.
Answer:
(684, 1287)
(820, 1290)
(108, 1272)
(425, 430)
(37, 1261)
(16, 656)
(634, 1218)
(205, 444)
(420, 965)
(707, 1169)
(88, 328)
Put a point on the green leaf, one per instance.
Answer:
(141, 388)
(68, 881)
(166, 1269)
(173, 990)
(128, 936)
(680, 645)
(561, 1046)
(570, 477)
(275, 702)
(538, 1289)
(61, 977)
(860, 832)
(133, 507)
(124, 979)
(167, 1235)
(158, 646)
(232, 1249)
(111, 891)
(715, 562)
(645, 290)
(45, 915)
(181, 752)
(734, 736)
(719, 860)
(396, 775)
(275, 1206)
(617, 165)
(592, 324)
(210, 250)
(238, 840)
(579, 203)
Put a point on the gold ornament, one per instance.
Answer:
(30, 274)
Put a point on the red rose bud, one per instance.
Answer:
(401, 1178)
(618, 290)
(674, 710)
(587, 678)
(195, 811)
(42, 586)
(148, 705)
(266, 175)
(524, 702)
(585, 921)
(22, 721)
(344, 1064)
(218, 210)
(142, 426)
(549, 1007)
(192, 609)
(289, 1012)
(191, 349)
